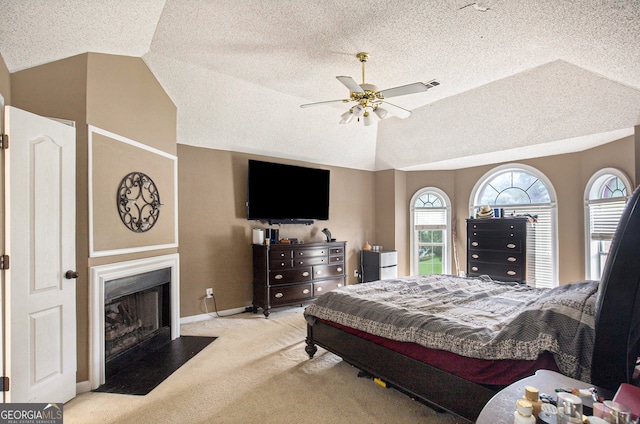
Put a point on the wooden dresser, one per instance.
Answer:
(497, 247)
(289, 274)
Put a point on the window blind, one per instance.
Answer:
(430, 218)
(540, 244)
(604, 216)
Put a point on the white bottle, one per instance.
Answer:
(523, 413)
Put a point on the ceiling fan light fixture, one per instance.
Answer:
(367, 119)
(358, 110)
(380, 112)
(346, 117)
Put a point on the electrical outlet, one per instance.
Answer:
(209, 292)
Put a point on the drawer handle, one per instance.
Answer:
(282, 264)
(300, 262)
(322, 260)
(511, 273)
(339, 269)
(511, 259)
(475, 243)
(305, 274)
(511, 246)
(282, 255)
(305, 291)
(475, 234)
(300, 253)
(319, 289)
(278, 295)
(474, 268)
(318, 272)
(511, 234)
(474, 256)
(279, 277)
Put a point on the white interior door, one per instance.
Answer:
(2, 397)
(40, 312)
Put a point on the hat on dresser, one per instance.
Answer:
(485, 212)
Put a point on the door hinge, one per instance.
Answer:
(4, 261)
(4, 382)
(4, 141)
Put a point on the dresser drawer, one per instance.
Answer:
(322, 287)
(495, 234)
(336, 251)
(335, 259)
(275, 264)
(292, 275)
(496, 224)
(311, 260)
(496, 271)
(503, 244)
(288, 294)
(324, 271)
(504, 258)
(280, 254)
(303, 253)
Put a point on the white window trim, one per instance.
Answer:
(448, 246)
(591, 185)
(473, 200)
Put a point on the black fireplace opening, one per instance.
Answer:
(137, 317)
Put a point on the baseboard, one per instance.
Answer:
(83, 387)
(211, 315)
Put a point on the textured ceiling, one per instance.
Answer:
(519, 78)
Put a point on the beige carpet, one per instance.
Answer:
(256, 371)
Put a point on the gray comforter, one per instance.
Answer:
(472, 317)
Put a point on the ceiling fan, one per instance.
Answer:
(369, 100)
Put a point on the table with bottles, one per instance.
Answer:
(500, 409)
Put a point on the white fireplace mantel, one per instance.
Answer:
(98, 277)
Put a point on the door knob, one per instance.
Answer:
(70, 275)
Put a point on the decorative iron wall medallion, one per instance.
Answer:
(138, 202)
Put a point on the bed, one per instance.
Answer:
(453, 342)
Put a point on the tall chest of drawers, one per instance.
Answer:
(289, 274)
(497, 247)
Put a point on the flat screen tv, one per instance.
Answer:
(280, 193)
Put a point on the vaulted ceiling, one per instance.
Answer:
(519, 78)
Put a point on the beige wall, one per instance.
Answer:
(118, 94)
(568, 174)
(215, 236)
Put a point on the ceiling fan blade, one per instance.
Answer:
(350, 84)
(326, 102)
(395, 110)
(416, 87)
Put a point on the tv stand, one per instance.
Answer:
(292, 274)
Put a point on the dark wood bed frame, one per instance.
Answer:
(615, 351)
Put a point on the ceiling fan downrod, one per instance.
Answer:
(363, 57)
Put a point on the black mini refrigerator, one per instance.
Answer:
(378, 265)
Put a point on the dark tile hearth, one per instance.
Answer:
(143, 375)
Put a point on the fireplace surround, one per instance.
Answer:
(100, 276)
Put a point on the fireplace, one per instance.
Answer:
(134, 308)
(136, 317)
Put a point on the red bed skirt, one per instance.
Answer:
(482, 371)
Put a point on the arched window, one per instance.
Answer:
(430, 235)
(520, 190)
(605, 196)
